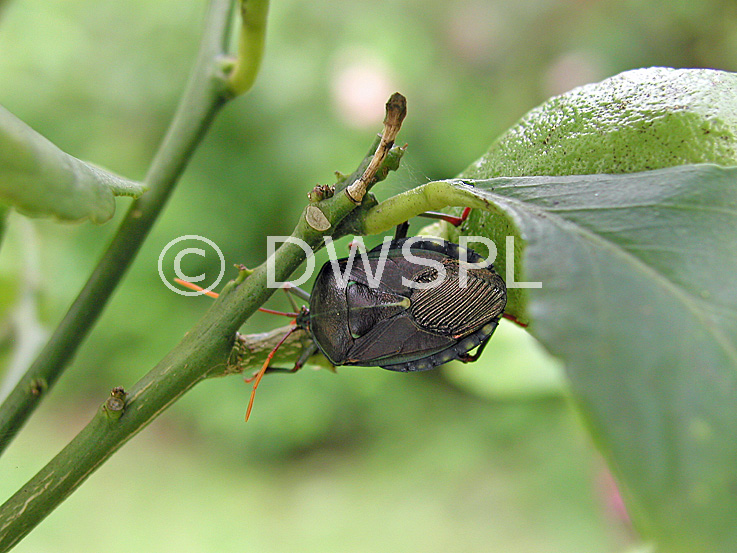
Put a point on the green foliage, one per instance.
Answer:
(102, 79)
(636, 279)
(637, 300)
(637, 274)
(40, 180)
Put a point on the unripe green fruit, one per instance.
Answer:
(635, 121)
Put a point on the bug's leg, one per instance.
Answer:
(514, 320)
(464, 215)
(297, 291)
(466, 358)
(290, 299)
(257, 378)
(307, 352)
(401, 231)
(269, 370)
(452, 219)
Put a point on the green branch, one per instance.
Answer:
(204, 95)
(4, 212)
(431, 196)
(203, 352)
(251, 41)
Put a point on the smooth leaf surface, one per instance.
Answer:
(639, 299)
(40, 180)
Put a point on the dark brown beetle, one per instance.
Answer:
(393, 324)
(393, 318)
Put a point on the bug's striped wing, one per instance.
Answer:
(459, 310)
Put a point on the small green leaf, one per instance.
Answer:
(40, 180)
(639, 299)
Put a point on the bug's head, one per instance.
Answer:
(303, 318)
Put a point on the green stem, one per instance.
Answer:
(202, 353)
(4, 213)
(250, 45)
(204, 95)
(428, 197)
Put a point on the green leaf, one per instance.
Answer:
(639, 299)
(40, 180)
(638, 273)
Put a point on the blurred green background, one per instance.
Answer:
(488, 457)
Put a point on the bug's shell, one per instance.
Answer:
(398, 327)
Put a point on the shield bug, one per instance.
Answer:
(431, 304)
(413, 304)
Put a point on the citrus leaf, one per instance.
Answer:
(40, 180)
(639, 295)
(639, 299)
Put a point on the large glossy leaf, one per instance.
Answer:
(639, 299)
(39, 179)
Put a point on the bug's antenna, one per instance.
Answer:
(193, 286)
(260, 374)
